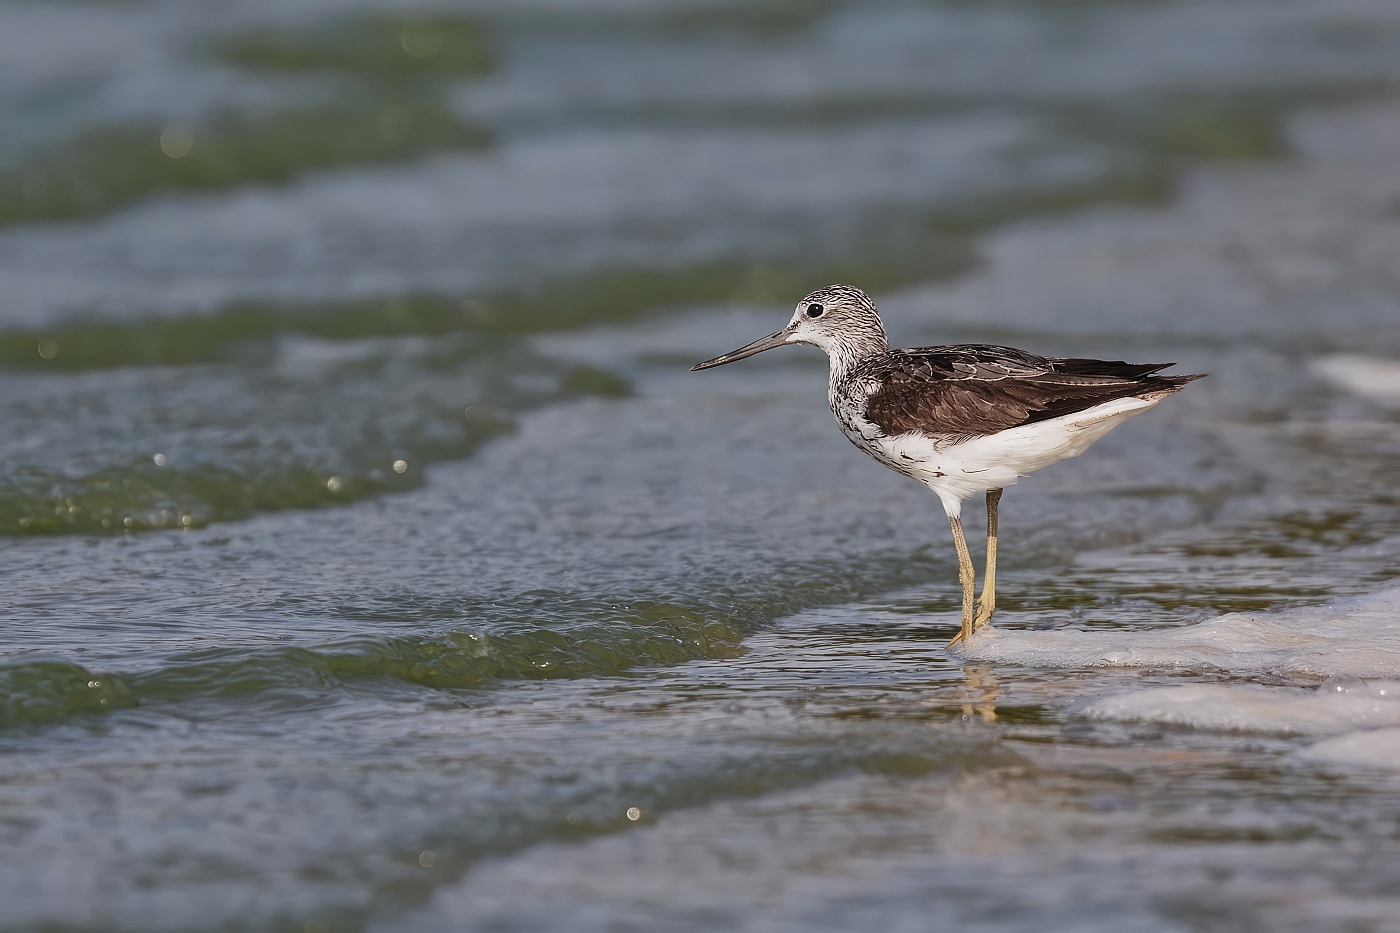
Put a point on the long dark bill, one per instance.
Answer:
(758, 346)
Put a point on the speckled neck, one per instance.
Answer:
(849, 348)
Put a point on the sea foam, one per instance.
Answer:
(1327, 710)
(1374, 378)
(1353, 637)
(1353, 644)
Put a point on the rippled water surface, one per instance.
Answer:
(371, 560)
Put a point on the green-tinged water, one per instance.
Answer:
(370, 560)
(389, 49)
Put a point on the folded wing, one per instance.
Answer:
(978, 390)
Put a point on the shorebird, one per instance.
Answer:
(961, 419)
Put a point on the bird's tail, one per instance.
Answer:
(1166, 385)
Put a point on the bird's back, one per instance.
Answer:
(971, 418)
(973, 390)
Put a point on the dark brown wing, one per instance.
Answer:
(977, 390)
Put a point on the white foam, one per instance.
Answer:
(1329, 710)
(1367, 376)
(1345, 640)
(1354, 637)
(1376, 748)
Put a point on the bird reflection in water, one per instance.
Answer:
(979, 694)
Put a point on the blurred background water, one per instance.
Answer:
(371, 561)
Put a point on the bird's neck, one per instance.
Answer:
(847, 351)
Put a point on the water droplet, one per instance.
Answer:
(48, 348)
(335, 484)
(400, 466)
(176, 141)
(634, 814)
(427, 859)
(187, 520)
(574, 818)
(420, 41)
(160, 459)
(393, 123)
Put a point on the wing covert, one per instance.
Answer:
(979, 390)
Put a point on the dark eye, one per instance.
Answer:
(815, 310)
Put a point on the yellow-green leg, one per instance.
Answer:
(966, 575)
(988, 603)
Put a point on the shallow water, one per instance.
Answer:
(372, 561)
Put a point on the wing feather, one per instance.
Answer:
(978, 390)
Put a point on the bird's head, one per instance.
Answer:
(841, 319)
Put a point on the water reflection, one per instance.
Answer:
(980, 692)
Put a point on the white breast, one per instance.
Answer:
(956, 468)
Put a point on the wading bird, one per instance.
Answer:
(961, 419)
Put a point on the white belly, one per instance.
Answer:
(956, 469)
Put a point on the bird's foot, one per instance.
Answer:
(978, 625)
(981, 620)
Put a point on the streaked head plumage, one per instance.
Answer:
(840, 319)
(833, 310)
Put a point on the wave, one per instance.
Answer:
(47, 690)
(534, 636)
